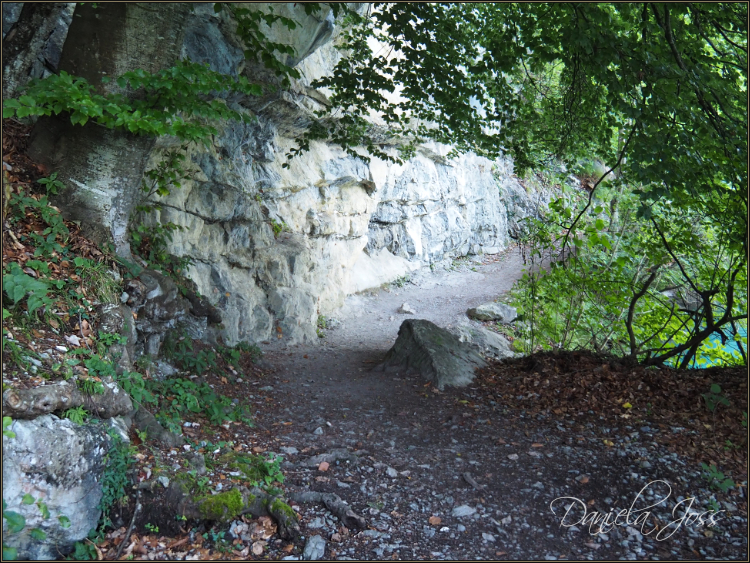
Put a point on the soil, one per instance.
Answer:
(501, 451)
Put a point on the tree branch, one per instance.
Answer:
(591, 193)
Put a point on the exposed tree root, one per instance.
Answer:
(255, 502)
(31, 403)
(332, 502)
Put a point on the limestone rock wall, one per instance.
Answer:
(346, 225)
(272, 246)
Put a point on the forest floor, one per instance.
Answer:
(484, 472)
(489, 471)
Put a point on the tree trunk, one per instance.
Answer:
(103, 168)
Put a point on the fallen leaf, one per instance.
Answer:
(627, 406)
(537, 445)
(260, 449)
(435, 520)
(258, 547)
(224, 380)
(324, 465)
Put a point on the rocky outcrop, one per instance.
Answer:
(33, 38)
(434, 353)
(60, 464)
(274, 247)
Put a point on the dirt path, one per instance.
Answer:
(457, 474)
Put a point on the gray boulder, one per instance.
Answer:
(434, 353)
(62, 464)
(493, 312)
(489, 344)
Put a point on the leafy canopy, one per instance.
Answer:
(544, 80)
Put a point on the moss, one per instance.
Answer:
(280, 507)
(222, 506)
(251, 466)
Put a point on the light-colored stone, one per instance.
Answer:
(463, 511)
(434, 353)
(493, 312)
(406, 309)
(315, 548)
(490, 344)
(62, 464)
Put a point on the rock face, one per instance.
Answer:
(60, 463)
(159, 307)
(272, 247)
(493, 312)
(434, 353)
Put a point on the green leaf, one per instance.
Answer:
(10, 553)
(27, 100)
(27, 499)
(38, 535)
(15, 521)
(64, 521)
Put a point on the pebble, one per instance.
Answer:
(392, 472)
(463, 510)
(488, 537)
(406, 309)
(290, 450)
(266, 388)
(513, 457)
(315, 548)
(318, 431)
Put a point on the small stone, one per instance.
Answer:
(488, 537)
(513, 457)
(392, 472)
(507, 520)
(324, 465)
(336, 537)
(463, 510)
(406, 309)
(318, 431)
(461, 528)
(290, 450)
(315, 548)
(61, 348)
(343, 485)
(164, 480)
(124, 297)
(645, 464)
(266, 388)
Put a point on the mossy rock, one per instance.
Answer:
(222, 506)
(278, 506)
